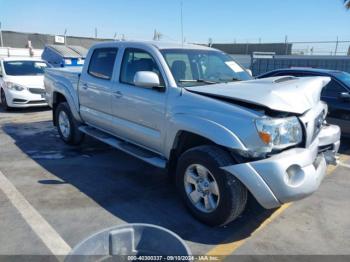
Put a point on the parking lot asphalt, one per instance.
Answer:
(72, 192)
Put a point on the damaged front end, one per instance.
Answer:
(296, 172)
(285, 158)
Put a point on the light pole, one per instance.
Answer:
(65, 36)
(1, 40)
(182, 26)
(336, 46)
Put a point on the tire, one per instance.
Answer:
(67, 126)
(4, 101)
(231, 199)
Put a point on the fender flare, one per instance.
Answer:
(72, 99)
(206, 128)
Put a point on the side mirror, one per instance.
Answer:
(345, 96)
(146, 79)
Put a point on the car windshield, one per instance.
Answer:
(203, 67)
(344, 77)
(24, 68)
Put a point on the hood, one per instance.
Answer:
(286, 94)
(27, 81)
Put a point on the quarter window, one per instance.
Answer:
(136, 60)
(102, 63)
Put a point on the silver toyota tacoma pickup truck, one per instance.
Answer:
(198, 113)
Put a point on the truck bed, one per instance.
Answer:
(62, 80)
(65, 70)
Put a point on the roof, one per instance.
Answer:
(174, 45)
(308, 69)
(19, 58)
(65, 51)
(158, 44)
(79, 49)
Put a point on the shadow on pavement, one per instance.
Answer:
(126, 187)
(24, 110)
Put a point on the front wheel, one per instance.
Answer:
(212, 195)
(4, 101)
(67, 126)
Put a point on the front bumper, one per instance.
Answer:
(292, 174)
(25, 98)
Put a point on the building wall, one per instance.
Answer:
(38, 41)
(248, 49)
(262, 65)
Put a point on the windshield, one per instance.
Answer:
(344, 77)
(24, 68)
(202, 67)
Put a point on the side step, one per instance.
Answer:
(136, 151)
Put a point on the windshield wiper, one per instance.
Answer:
(232, 79)
(196, 81)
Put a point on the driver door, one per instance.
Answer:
(139, 112)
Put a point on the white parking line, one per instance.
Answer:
(39, 225)
(344, 165)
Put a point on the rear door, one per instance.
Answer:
(96, 88)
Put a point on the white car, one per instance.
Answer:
(22, 82)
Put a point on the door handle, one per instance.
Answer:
(118, 94)
(85, 86)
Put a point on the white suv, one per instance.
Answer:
(22, 82)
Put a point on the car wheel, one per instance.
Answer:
(67, 126)
(212, 195)
(4, 101)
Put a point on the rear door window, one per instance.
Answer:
(102, 63)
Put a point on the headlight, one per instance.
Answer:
(279, 133)
(13, 86)
(67, 61)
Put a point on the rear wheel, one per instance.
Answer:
(4, 101)
(212, 195)
(67, 126)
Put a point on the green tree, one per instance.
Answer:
(347, 4)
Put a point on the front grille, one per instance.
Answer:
(37, 91)
(17, 100)
(36, 102)
(313, 121)
(319, 122)
(325, 148)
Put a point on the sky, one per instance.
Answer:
(221, 20)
